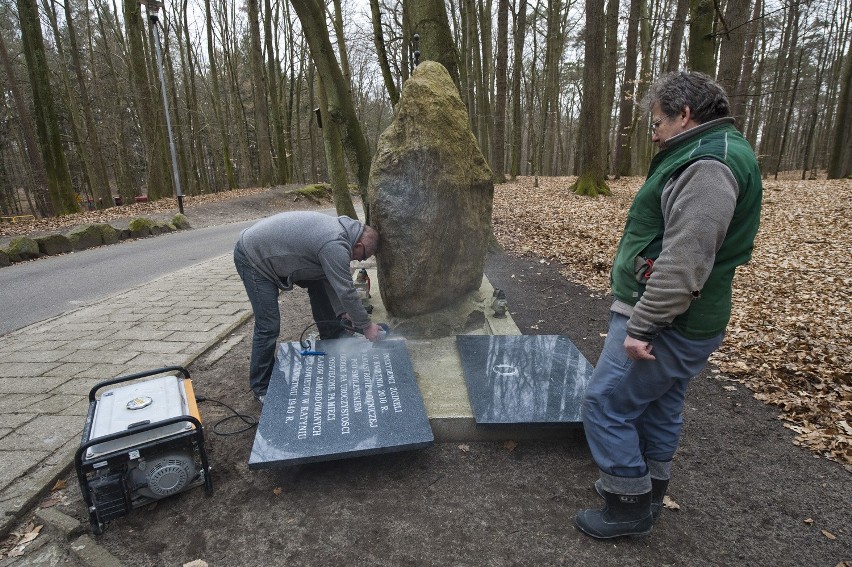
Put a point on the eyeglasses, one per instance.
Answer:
(653, 125)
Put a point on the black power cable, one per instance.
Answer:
(342, 322)
(249, 420)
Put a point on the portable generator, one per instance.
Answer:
(142, 441)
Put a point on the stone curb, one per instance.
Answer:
(122, 234)
(91, 554)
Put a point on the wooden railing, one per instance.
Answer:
(17, 218)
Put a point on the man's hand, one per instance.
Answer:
(373, 332)
(638, 350)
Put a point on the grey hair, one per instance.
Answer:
(705, 97)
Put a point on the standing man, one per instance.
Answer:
(691, 224)
(310, 250)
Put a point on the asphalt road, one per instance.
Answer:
(34, 291)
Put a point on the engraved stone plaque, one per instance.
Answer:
(355, 399)
(524, 378)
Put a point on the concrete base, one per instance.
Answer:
(438, 370)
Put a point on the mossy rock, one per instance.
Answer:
(53, 244)
(109, 234)
(4, 259)
(86, 236)
(23, 248)
(180, 222)
(316, 193)
(140, 227)
(161, 227)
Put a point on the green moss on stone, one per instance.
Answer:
(316, 193)
(109, 234)
(180, 222)
(85, 236)
(23, 248)
(141, 227)
(53, 244)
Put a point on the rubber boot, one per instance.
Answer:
(658, 492)
(623, 515)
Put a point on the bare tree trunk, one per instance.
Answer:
(487, 83)
(517, 71)
(676, 38)
(381, 51)
(428, 19)
(591, 179)
(622, 159)
(157, 177)
(216, 98)
(340, 104)
(281, 167)
(187, 63)
(789, 114)
(62, 197)
(31, 145)
(552, 59)
(334, 158)
(741, 92)
(814, 114)
(259, 87)
(475, 84)
(609, 74)
(98, 174)
(732, 46)
(702, 45)
(498, 165)
(840, 160)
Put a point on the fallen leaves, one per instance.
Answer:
(161, 206)
(789, 335)
(670, 504)
(17, 541)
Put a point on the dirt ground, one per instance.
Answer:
(747, 495)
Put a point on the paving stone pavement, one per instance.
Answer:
(48, 368)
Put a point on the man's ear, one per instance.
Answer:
(686, 115)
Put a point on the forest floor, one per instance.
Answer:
(746, 493)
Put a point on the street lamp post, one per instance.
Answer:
(153, 7)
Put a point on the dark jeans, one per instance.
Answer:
(263, 296)
(328, 323)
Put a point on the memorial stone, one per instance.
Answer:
(524, 379)
(431, 192)
(355, 399)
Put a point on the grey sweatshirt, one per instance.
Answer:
(304, 245)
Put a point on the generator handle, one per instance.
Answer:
(129, 377)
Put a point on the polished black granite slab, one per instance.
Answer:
(524, 378)
(356, 399)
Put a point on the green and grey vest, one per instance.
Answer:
(707, 315)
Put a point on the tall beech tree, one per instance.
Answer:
(591, 180)
(62, 197)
